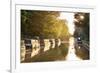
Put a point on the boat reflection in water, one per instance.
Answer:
(48, 50)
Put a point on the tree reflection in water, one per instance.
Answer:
(65, 52)
(55, 54)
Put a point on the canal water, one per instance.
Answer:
(57, 53)
(71, 51)
(64, 52)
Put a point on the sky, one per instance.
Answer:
(69, 17)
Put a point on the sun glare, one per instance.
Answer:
(69, 17)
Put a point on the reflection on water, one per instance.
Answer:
(44, 52)
(83, 52)
(53, 54)
(71, 50)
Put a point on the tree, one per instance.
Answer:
(43, 24)
(83, 24)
